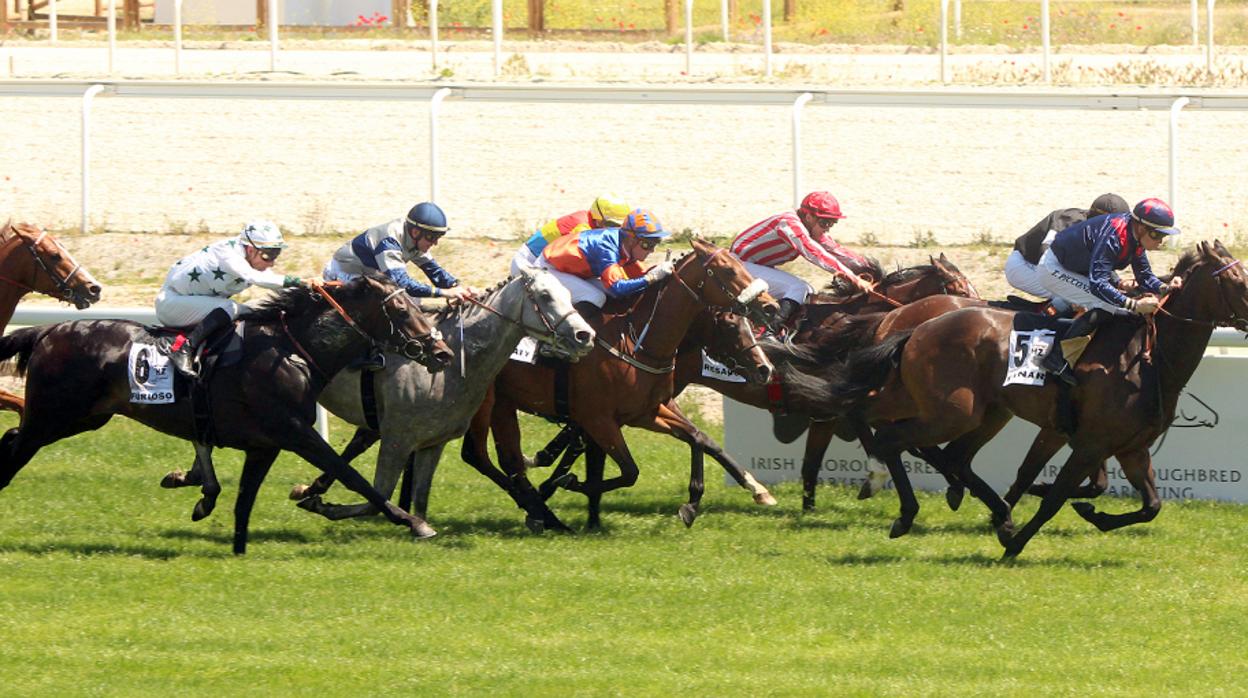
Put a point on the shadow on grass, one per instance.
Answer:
(258, 535)
(970, 560)
(148, 552)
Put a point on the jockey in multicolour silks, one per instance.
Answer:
(1021, 266)
(593, 264)
(387, 248)
(607, 211)
(792, 234)
(1078, 268)
(198, 287)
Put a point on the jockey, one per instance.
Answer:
(594, 263)
(387, 248)
(606, 212)
(198, 287)
(1079, 265)
(783, 237)
(1020, 266)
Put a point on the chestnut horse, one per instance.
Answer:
(628, 379)
(32, 260)
(947, 387)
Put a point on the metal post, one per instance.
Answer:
(1195, 25)
(112, 33)
(52, 23)
(723, 17)
(322, 422)
(87, 96)
(274, 20)
(433, 32)
(798, 103)
(688, 37)
(957, 19)
(498, 37)
(435, 105)
(1044, 32)
(1209, 31)
(767, 38)
(944, 40)
(1175, 108)
(177, 37)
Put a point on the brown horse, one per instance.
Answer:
(948, 388)
(32, 260)
(627, 380)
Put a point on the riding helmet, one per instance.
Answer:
(427, 217)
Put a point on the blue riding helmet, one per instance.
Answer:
(644, 224)
(427, 217)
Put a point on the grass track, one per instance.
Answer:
(106, 587)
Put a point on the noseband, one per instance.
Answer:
(551, 334)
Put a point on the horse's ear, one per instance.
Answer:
(943, 258)
(932, 261)
(1202, 248)
(1217, 245)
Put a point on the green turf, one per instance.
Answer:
(108, 588)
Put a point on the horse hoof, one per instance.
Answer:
(554, 524)
(808, 503)
(202, 509)
(866, 492)
(173, 480)
(299, 492)
(953, 496)
(900, 528)
(687, 513)
(530, 463)
(1005, 533)
(422, 531)
(312, 503)
(535, 525)
(764, 499)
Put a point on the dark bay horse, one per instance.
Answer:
(628, 379)
(947, 387)
(32, 260)
(78, 377)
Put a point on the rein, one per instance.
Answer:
(303, 353)
(551, 336)
(343, 312)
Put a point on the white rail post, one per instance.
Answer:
(274, 19)
(112, 33)
(944, 40)
(688, 37)
(322, 422)
(1175, 108)
(723, 17)
(1209, 31)
(1195, 25)
(433, 32)
(957, 19)
(177, 37)
(1044, 32)
(435, 105)
(767, 38)
(87, 96)
(498, 37)
(798, 103)
(52, 24)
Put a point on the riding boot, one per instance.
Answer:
(1055, 361)
(787, 314)
(183, 355)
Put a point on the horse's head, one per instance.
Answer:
(48, 268)
(733, 343)
(953, 281)
(1215, 286)
(550, 318)
(386, 314)
(718, 279)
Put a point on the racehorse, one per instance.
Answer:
(32, 260)
(418, 412)
(78, 377)
(948, 388)
(628, 378)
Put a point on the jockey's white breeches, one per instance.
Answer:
(1069, 286)
(523, 259)
(780, 284)
(333, 272)
(588, 290)
(176, 310)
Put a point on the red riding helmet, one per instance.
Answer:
(821, 204)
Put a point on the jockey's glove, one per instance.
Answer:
(658, 272)
(1144, 306)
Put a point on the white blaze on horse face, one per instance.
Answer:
(751, 293)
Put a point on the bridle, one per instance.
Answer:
(414, 348)
(741, 301)
(730, 359)
(549, 335)
(1232, 319)
(63, 288)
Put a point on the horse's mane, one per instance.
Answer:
(908, 274)
(839, 285)
(294, 302)
(1186, 262)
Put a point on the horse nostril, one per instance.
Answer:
(94, 289)
(765, 373)
(584, 337)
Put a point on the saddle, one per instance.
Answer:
(223, 348)
(1023, 305)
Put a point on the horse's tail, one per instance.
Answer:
(20, 344)
(839, 389)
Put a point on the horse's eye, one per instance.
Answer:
(56, 258)
(545, 295)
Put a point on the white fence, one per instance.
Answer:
(796, 99)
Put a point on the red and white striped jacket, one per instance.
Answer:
(779, 239)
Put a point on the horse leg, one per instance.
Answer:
(566, 461)
(175, 479)
(405, 485)
(422, 465)
(12, 403)
(595, 465)
(20, 444)
(677, 424)
(958, 456)
(391, 462)
(1046, 445)
(506, 428)
(606, 433)
(211, 488)
(1138, 467)
(936, 458)
(1076, 468)
(255, 469)
(362, 440)
(817, 440)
